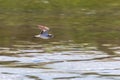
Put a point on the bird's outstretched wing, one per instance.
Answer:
(43, 28)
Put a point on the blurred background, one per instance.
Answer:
(78, 20)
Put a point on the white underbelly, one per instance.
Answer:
(44, 37)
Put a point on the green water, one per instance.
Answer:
(78, 20)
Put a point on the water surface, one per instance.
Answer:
(85, 47)
(57, 61)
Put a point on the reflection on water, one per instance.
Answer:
(59, 61)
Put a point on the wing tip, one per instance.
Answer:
(43, 27)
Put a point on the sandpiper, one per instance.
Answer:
(44, 32)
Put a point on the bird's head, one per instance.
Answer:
(50, 35)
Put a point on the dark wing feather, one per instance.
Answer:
(44, 32)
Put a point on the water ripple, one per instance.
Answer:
(59, 61)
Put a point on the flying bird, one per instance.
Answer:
(44, 32)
